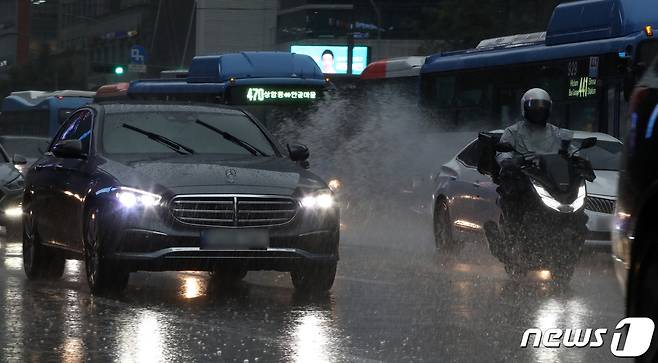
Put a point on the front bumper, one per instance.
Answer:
(152, 240)
(194, 258)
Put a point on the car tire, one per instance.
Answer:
(103, 276)
(443, 238)
(228, 275)
(39, 261)
(317, 277)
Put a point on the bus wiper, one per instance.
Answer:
(230, 137)
(177, 147)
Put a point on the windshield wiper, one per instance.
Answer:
(230, 137)
(177, 147)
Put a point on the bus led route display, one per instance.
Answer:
(264, 95)
(582, 87)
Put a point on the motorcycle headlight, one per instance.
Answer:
(552, 203)
(319, 200)
(131, 197)
(580, 199)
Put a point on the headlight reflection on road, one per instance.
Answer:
(555, 313)
(311, 338)
(191, 286)
(142, 339)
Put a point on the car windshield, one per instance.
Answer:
(605, 155)
(28, 147)
(167, 132)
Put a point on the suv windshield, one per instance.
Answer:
(183, 128)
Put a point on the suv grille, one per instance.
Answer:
(600, 205)
(233, 210)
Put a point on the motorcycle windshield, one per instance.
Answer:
(554, 173)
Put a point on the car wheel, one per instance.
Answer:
(39, 261)
(317, 277)
(103, 276)
(443, 238)
(228, 275)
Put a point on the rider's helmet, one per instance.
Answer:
(536, 106)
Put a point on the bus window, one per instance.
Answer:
(34, 123)
(584, 116)
(63, 114)
(445, 91)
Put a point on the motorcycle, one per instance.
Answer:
(543, 223)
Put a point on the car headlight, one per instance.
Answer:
(319, 200)
(131, 197)
(552, 203)
(14, 212)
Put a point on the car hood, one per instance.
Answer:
(193, 174)
(605, 183)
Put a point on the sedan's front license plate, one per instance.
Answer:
(234, 239)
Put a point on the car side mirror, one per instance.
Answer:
(588, 143)
(18, 159)
(68, 149)
(504, 147)
(298, 152)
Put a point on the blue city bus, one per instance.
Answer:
(39, 113)
(259, 82)
(588, 59)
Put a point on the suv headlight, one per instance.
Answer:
(131, 197)
(322, 199)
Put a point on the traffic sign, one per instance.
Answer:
(137, 54)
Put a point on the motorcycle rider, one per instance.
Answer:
(532, 134)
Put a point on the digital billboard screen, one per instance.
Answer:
(332, 59)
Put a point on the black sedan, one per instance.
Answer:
(156, 187)
(635, 251)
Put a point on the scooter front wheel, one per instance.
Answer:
(563, 274)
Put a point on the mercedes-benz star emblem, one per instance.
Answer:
(230, 175)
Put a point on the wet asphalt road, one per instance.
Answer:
(395, 299)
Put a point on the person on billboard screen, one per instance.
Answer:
(328, 62)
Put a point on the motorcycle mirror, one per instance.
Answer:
(588, 142)
(504, 147)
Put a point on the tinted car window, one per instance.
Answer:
(605, 155)
(33, 122)
(470, 155)
(77, 127)
(28, 147)
(183, 128)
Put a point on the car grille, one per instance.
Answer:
(600, 205)
(233, 210)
